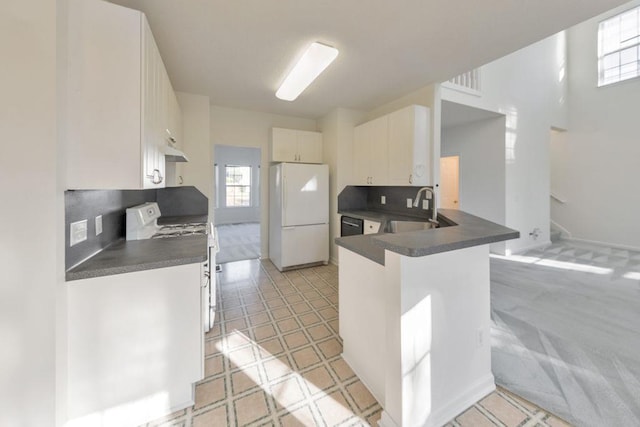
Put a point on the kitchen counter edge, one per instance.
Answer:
(138, 255)
(469, 231)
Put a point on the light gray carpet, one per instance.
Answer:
(566, 331)
(238, 242)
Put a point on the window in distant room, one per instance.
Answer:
(238, 186)
(619, 47)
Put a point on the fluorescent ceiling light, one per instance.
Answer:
(317, 57)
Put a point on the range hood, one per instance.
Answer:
(172, 154)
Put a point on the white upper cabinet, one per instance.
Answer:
(393, 149)
(409, 146)
(370, 163)
(296, 146)
(118, 100)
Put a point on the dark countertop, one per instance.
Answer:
(136, 255)
(469, 230)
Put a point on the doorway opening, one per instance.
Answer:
(450, 182)
(237, 212)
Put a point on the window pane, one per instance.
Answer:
(619, 47)
(612, 60)
(238, 175)
(628, 71)
(238, 186)
(629, 55)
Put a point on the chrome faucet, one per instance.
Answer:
(434, 212)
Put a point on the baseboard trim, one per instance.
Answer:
(386, 421)
(346, 358)
(530, 247)
(477, 391)
(598, 243)
(473, 394)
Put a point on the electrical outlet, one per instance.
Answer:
(383, 200)
(409, 203)
(98, 225)
(77, 232)
(425, 204)
(427, 195)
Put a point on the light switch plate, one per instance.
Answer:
(98, 225)
(77, 232)
(383, 200)
(409, 203)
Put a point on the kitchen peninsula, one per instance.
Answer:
(414, 313)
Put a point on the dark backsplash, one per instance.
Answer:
(111, 204)
(177, 201)
(368, 198)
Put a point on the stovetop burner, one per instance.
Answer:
(179, 230)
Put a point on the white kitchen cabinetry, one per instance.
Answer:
(296, 146)
(135, 345)
(371, 227)
(370, 163)
(118, 100)
(393, 149)
(409, 146)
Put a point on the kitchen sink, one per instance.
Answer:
(402, 226)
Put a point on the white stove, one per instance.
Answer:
(142, 223)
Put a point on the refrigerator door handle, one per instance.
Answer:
(284, 194)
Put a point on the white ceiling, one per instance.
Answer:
(239, 51)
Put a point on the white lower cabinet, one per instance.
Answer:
(135, 345)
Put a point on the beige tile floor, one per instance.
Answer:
(273, 359)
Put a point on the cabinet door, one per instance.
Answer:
(379, 151)
(361, 155)
(409, 146)
(154, 112)
(284, 145)
(309, 147)
(104, 110)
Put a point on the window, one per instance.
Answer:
(238, 186)
(619, 47)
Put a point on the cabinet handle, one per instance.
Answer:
(156, 177)
(410, 178)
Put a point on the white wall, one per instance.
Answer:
(244, 128)
(237, 156)
(337, 138)
(595, 163)
(196, 143)
(30, 220)
(480, 145)
(529, 87)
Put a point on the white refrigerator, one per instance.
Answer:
(298, 214)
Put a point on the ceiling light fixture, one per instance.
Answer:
(317, 57)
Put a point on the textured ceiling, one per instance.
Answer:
(238, 51)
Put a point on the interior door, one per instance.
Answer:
(450, 182)
(305, 194)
